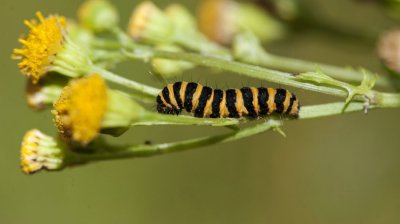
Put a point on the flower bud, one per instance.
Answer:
(149, 24)
(41, 152)
(182, 19)
(98, 15)
(174, 27)
(167, 68)
(220, 20)
(81, 36)
(247, 48)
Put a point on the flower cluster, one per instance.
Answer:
(65, 62)
(59, 64)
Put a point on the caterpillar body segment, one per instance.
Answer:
(203, 101)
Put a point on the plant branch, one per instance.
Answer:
(123, 152)
(316, 111)
(152, 118)
(147, 91)
(240, 68)
(243, 69)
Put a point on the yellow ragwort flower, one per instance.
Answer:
(87, 107)
(39, 152)
(48, 48)
(81, 107)
(41, 46)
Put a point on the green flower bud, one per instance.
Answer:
(247, 48)
(182, 19)
(166, 68)
(220, 20)
(149, 24)
(98, 15)
(81, 36)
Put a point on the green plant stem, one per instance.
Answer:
(329, 109)
(147, 91)
(152, 118)
(203, 46)
(240, 68)
(387, 100)
(247, 70)
(378, 98)
(124, 152)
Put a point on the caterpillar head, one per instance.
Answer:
(166, 108)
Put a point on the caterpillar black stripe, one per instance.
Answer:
(204, 101)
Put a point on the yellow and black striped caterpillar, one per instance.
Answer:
(204, 101)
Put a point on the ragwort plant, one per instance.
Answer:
(67, 67)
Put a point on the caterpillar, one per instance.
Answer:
(203, 101)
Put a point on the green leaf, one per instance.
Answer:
(363, 89)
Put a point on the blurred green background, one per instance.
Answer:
(342, 169)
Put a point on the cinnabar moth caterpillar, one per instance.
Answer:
(204, 101)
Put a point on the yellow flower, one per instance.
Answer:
(43, 43)
(81, 107)
(86, 106)
(39, 151)
(47, 48)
